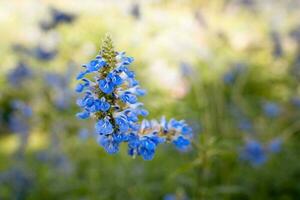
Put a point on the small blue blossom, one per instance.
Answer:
(271, 109)
(170, 197)
(186, 69)
(61, 96)
(245, 125)
(181, 143)
(106, 86)
(275, 145)
(128, 97)
(254, 153)
(104, 126)
(103, 105)
(79, 87)
(83, 134)
(146, 148)
(20, 73)
(122, 123)
(43, 54)
(109, 143)
(231, 76)
(83, 115)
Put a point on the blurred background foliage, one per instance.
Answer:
(231, 68)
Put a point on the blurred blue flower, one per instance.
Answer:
(43, 54)
(135, 10)
(296, 101)
(242, 121)
(275, 145)
(271, 109)
(18, 180)
(254, 152)
(186, 69)
(245, 125)
(18, 121)
(83, 134)
(170, 197)
(20, 73)
(57, 17)
(181, 143)
(177, 196)
(60, 84)
(231, 76)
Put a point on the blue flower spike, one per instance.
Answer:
(110, 96)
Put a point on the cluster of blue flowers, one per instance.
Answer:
(111, 97)
(257, 153)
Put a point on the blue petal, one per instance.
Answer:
(80, 75)
(83, 115)
(110, 145)
(106, 86)
(79, 88)
(103, 126)
(122, 123)
(128, 97)
(117, 80)
(147, 149)
(181, 143)
(104, 106)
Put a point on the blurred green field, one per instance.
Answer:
(230, 68)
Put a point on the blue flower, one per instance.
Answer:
(122, 123)
(41, 53)
(170, 197)
(109, 144)
(186, 69)
(83, 134)
(104, 126)
(128, 97)
(79, 87)
(254, 153)
(95, 65)
(103, 105)
(19, 74)
(271, 109)
(111, 96)
(83, 115)
(106, 86)
(245, 125)
(181, 143)
(275, 145)
(19, 119)
(81, 75)
(115, 78)
(146, 149)
(231, 76)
